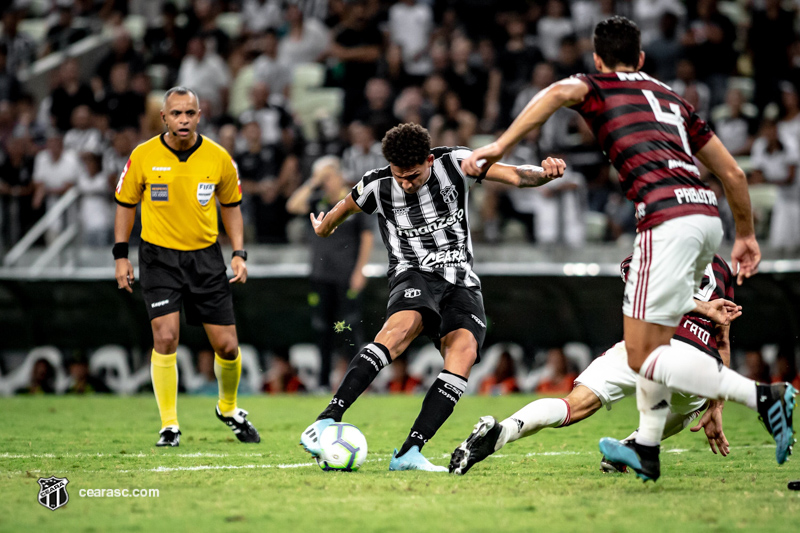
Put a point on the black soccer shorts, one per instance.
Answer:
(444, 307)
(196, 279)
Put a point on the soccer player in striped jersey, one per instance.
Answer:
(421, 199)
(651, 135)
(608, 379)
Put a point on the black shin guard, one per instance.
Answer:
(360, 373)
(437, 407)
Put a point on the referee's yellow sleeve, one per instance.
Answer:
(229, 191)
(130, 185)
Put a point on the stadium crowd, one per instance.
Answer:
(285, 82)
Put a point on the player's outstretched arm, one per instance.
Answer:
(234, 227)
(326, 223)
(123, 224)
(527, 175)
(746, 254)
(560, 94)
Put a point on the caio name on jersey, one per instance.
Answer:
(439, 223)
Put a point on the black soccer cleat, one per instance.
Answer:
(776, 404)
(643, 459)
(479, 445)
(240, 426)
(170, 436)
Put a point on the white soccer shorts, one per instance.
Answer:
(611, 379)
(667, 268)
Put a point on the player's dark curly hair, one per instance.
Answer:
(406, 145)
(617, 41)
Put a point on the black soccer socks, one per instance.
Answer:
(437, 407)
(360, 373)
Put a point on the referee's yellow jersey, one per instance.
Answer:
(177, 190)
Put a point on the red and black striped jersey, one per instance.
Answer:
(695, 329)
(649, 134)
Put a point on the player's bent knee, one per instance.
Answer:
(165, 340)
(229, 351)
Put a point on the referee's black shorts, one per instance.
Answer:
(196, 279)
(444, 307)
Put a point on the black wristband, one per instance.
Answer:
(239, 253)
(120, 250)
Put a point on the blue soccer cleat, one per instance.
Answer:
(776, 404)
(413, 460)
(641, 459)
(310, 437)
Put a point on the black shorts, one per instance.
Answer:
(444, 307)
(196, 279)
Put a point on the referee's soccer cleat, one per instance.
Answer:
(309, 439)
(413, 460)
(240, 426)
(776, 404)
(479, 445)
(170, 436)
(642, 459)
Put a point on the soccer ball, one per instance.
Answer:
(344, 448)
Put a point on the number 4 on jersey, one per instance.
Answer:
(673, 119)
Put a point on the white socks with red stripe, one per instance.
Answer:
(544, 413)
(693, 372)
(652, 400)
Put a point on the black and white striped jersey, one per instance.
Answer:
(429, 230)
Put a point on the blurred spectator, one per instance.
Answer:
(228, 138)
(306, 39)
(357, 46)
(20, 48)
(261, 15)
(559, 377)
(735, 122)
(377, 111)
(402, 382)
(453, 118)
(503, 380)
(43, 377)
(202, 23)
(122, 51)
(55, 171)
(569, 60)
(82, 137)
(363, 154)
(97, 210)
(560, 211)
(69, 94)
(116, 155)
(755, 368)
(81, 381)
(786, 368)
(273, 119)
(282, 377)
(467, 80)
(661, 55)
(775, 159)
(511, 73)
(166, 43)
(695, 92)
(268, 69)
(789, 124)
(9, 85)
(768, 40)
(123, 106)
(268, 175)
(337, 262)
(410, 28)
(543, 76)
(16, 191)
(207, 74)
(553, 27)
(709, 43)
(647, 15)
(65, 31)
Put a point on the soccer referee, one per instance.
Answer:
(176, 176)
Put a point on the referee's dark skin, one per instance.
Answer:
(181, 114)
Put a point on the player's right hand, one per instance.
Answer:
(124, 274)
(722, 311)
(745, 257)
(554, 167)
(711, 422)
(316, 222)
(481, 159)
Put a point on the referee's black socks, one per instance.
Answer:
(360, 373)
(437, 407)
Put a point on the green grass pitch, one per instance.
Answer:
(548, 482)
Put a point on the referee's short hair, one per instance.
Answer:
(406, 145)
(180, 90)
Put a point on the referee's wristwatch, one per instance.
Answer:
(240, 253)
